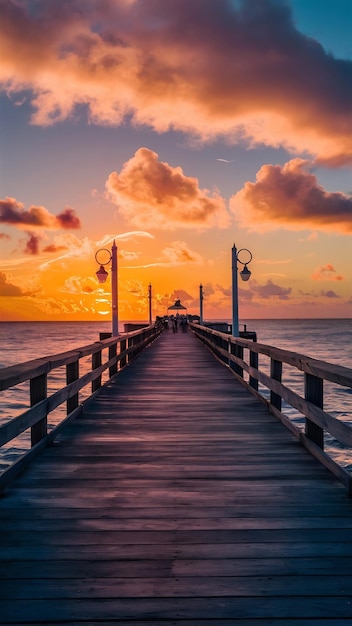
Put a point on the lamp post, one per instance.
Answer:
(245, 275)
(102, 275)
(201, 296)
(150, 303)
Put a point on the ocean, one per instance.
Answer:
(326, 339)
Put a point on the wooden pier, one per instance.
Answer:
(176, 498)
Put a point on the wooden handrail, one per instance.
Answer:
(242, 356)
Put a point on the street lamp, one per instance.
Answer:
(201, 297)
(103, 257)
(150, 303)
(245, 274)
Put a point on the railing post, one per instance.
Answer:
(96, 362)
(313, 389)
(276, 374)
(72, 374)
(236, 351)
(38, 390)
(130, 347)
(123, 361)
(112, 353)
(253, 362)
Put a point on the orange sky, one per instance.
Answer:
(178, 129)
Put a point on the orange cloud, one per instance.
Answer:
(10, 290)
(209, 69)
(53, 248)
(326, 272)
(290, 197)
(152, 193)
(131, 235)
(129, 255)
(77, 284)
(73, 247)
(179, 252)
(7, 288)
(12, 212)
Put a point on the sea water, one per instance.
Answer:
(326, 339)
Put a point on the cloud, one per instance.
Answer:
(54, 248)
(253, 293)
(152, 193)
(129, 256)
(311, 237)
(73, 247)
(179, 253)
(108, 239)
(32, 244)
(330, 294)
(77, 284)
(326, 272)
(8, 289)
(137, 288)
(12, 212)
(68, 219)
(289, 196)
(232, 69)
(270, 290)
(164, 300)
(61, 243)
(274, 261)
(52, 306)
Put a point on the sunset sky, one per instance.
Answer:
(177, 127)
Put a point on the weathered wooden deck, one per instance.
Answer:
(176, 498)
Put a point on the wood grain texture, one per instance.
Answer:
(176, 498)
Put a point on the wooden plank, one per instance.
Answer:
(153, 568)
(83, 519)
(205, 622)
(89, 537)
(284, 608)
(174, 550)
(184, 587)
(202, 622)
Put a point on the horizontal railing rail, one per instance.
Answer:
(121, 350)
(242, 356)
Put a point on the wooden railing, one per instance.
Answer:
(242, 357)
(120, 350)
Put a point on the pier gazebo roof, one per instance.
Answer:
(177, 306)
